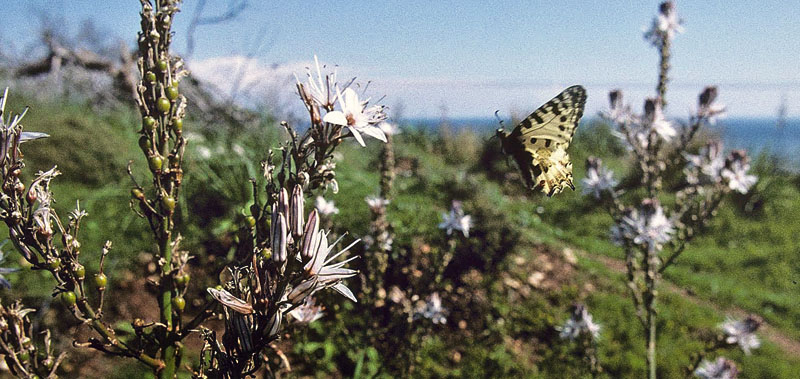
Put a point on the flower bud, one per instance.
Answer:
(278, 239)
(707, 97)
(296, 211)
(615, 98)
(310, 235)
(283, 201)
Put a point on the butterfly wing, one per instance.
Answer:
(555, 121)
(538, 144)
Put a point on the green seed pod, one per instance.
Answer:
(162, 65)
(168, 202)
(137, 194)
(150, 77)
(177, 124)
(172, 92)
(251, 221)
(179, 303)
(100, 280)
(163, 105)
(54, 264)
(148, 123)
(266, 253)
(23, 356)
(155, 163)
(182, 279)
(80, 271)
(69, 298)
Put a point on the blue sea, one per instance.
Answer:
(756, 135)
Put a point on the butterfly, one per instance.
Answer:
(539, 143)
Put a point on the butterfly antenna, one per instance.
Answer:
(499, 120)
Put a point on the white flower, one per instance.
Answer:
(357, 117)
(654, 120)
(376, 203)
(647, 226)
(320, 89)
(722, 368)
(204, 152)
(308, 312)
(665, 25)
(735, 172)
(742, 332)
(456, 220)
(325, 207)
(432, 310)
(580, 323)
(320, 272)
(389, 128)
(598, 179)
(706, 166)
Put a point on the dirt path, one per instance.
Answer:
(787, 344)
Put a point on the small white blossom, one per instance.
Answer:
(456, 220)
(389, 128)
(432, 310)
(665, 25)
(357, 116)
(308, 312)
(320, 272)
(735, 172)
(376, 203)
(706, 166)
(654, 120)
(648, 227)
(598, 179)
(325, 207)
(580, 323)
(742, 332)
(320, 89)
(722, 368)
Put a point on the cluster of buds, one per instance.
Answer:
(295, 262)
(22, 357)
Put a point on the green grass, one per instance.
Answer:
(747, 257)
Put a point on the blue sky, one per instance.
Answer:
(473, 57)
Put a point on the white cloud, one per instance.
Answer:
(255, 83)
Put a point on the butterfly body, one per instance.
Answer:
(539, 143)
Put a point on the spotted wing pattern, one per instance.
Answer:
(538, 144)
